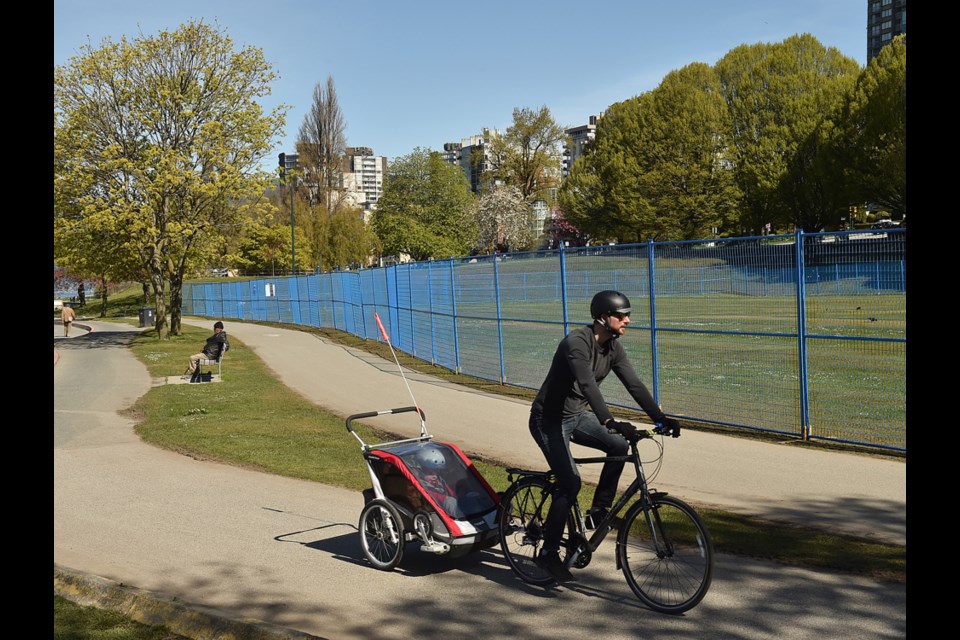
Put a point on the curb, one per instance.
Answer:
(190, 621)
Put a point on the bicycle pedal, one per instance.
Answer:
(593, 519)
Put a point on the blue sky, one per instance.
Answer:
(424, 72)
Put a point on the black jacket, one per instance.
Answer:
(579, 366)
(216, 345)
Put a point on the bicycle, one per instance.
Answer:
(663, 546)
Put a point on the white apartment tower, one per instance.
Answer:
(579, 138)
(472, 155)
(363, 175)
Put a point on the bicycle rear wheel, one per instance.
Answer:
(523, 510)
(381, 534)
(666, 554)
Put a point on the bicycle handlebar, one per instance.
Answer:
(659, 429)
(663, 430)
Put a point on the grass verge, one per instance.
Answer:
(72, 621)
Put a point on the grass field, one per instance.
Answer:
(721, 358)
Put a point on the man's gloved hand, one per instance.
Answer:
(672, 426)
(626, 429)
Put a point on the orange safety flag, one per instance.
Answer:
(380, 324)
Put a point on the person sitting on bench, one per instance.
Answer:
(216, 346)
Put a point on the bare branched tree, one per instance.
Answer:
(321, 146)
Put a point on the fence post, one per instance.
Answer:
(363, 304)
(563, 290)
(652, 299)
(496, 289)
(413, 341)
(295, 316)
(802, 335)
(433, 331)
(453, 307)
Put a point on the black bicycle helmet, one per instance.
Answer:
(609, 302)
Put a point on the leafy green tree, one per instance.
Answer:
(777, 95)
(687, 179)
(424, 210)
(159, 140)
(601, 194)
(529, 155)
(341, 239)
(91, 248)
(660, 165)
(265, 249)
(350, 241)
(812, 188)
(504, 219)
(873, 143)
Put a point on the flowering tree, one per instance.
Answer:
(504, 219)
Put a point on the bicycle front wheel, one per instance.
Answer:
(523, 511)
(666, 554)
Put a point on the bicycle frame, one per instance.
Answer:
(638, 487)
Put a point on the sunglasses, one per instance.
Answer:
(620, 316)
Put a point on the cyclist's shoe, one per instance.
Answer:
(550, 562)
(596, 515)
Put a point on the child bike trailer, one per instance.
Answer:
(422, 491)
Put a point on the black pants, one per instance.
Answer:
(554, 436)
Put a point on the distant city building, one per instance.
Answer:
(579, 138)
(451, 152)
(885, 19)
(359, 183)
(288, 162)
(472, 155)
(362, 175)
(540, 212)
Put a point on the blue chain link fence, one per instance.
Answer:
(802, 335)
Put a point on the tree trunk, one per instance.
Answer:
(103, 296)
(160, 313)
(176, 305)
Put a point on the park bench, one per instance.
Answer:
(199, 376)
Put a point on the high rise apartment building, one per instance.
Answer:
(579, 138)
(885, 19)
(472, 155)
(363, 174)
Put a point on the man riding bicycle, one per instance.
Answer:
(569, 407)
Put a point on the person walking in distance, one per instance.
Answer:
(570, 408)
(67, 316)
(212, 349)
